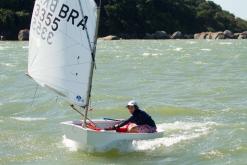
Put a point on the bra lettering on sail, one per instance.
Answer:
(73, 16)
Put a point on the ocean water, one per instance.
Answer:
(196, 90)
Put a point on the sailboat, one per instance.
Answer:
(62, 49)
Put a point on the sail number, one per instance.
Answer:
(45, 24)
(42, 20)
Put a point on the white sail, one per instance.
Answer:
(61, 47)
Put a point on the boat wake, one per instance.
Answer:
(70, 144)
(175, 133)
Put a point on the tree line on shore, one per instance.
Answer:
(136, 18)
(14, 16)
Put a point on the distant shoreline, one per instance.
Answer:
(158, 35)
(162, 35)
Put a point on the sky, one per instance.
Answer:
(237, 7)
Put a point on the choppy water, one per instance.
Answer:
(196, 90)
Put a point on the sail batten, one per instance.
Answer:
(62, 41)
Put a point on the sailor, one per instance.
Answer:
(139, 122)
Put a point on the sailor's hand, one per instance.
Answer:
(115, 126)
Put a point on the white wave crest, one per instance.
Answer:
(225, 43)
(178, 49)
(146, 54)
(3, 48)
(150, 54)
(208, 50)
(212, 154)
(192, 42)
(199, 63)
(7, 65)
(29, 118)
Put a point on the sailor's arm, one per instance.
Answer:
(123, 123)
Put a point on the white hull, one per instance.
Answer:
(86, 138)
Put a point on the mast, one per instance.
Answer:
(98, 2)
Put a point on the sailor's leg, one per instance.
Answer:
(132, 128)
